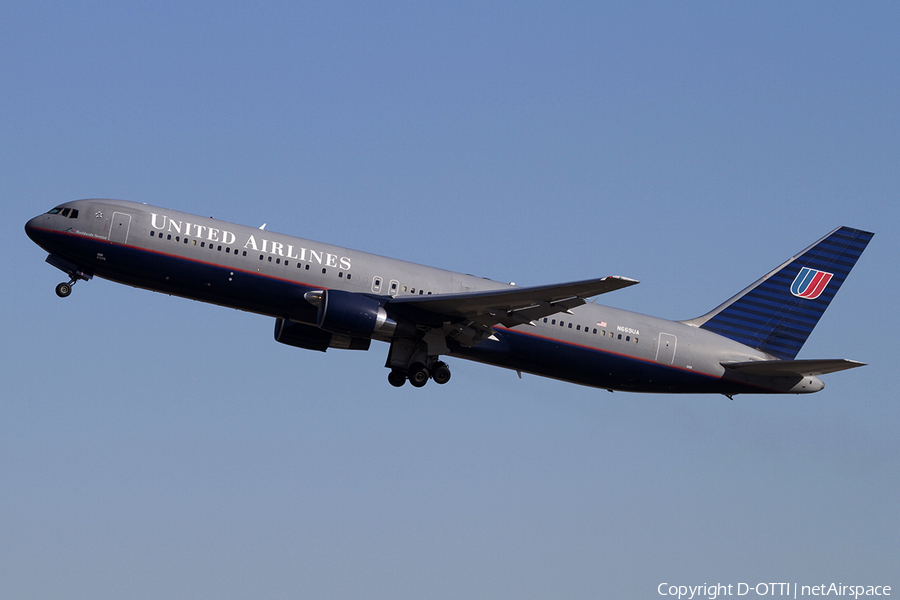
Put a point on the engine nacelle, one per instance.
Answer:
(353, 315)
(311, 337)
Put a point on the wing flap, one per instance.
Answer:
(789, 368)
(539, 311)
(514, 305)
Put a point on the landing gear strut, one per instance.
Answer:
(417, 361)
(70, 269)
(64, 289)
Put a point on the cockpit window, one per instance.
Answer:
(72, 213)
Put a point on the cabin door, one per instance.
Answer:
(118, 230)
(665, 349)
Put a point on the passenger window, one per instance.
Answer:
(570, 326)
(349, 275)
(578, 327)
(152, 234)
(177, 238)
(340, 274)
(595, 330)
(323, 271)
(169, 237)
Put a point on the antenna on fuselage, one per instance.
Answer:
(263, 226)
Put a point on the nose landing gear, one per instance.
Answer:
(70, 269)
(64, 289)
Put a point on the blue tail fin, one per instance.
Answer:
(777, 313)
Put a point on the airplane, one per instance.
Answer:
(324, 296)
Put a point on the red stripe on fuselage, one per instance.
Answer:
(189, 259)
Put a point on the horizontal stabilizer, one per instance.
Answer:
(788, 368)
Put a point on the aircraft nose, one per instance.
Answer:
(34, 226)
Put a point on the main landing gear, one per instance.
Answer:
(418, 374)
(416, 360)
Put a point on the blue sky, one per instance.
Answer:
(156, 447)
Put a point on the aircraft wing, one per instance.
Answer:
(510, 306)
(787, 368)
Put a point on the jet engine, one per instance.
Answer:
(344, 320)
(311, 337)
(349, 314)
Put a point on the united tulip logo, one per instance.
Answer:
(810, 283)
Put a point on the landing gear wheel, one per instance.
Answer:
(440, 372)
(63, 290)
(418, 375)
(397, 378)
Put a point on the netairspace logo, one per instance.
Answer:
(792, 590)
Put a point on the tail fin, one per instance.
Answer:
(777, 313)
